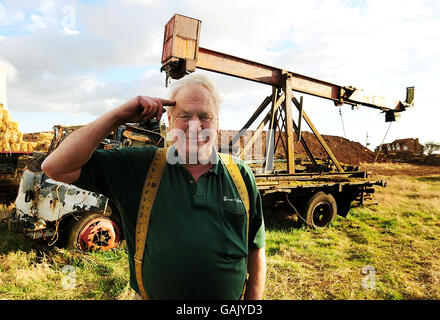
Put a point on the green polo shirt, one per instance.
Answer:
(196, 243)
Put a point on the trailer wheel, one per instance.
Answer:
(92, 232)
(321, 210)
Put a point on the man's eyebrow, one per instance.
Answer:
(184, 112)
(206, 113)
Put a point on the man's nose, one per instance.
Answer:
(196, 123)
(195, 126)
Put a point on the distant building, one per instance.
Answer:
(410, 145)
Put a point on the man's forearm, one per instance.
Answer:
(77, 148)
(257, 274)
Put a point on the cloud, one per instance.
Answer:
(36, 22)
(69, 31)
(59, 64)
(8, 17)
(47, 7)
(141, 2)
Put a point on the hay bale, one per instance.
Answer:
(15, 147)
(6, 119)
(32, 146)
(11, 139)
(24, 146)
(14, 125)
(7, 136)
(6, 146)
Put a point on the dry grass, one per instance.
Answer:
(38, 272)
(400, 238)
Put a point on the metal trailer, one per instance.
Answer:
(315, 195)
(315, 199)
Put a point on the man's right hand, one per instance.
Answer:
(142, 108)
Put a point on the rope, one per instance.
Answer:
(345, 136)
(380, 147)
(55, 236)
(299, 215)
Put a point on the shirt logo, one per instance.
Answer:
(226, 199)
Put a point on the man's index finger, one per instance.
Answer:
(166, 102)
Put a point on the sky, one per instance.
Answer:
(70, 61)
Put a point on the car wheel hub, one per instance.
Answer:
(99, 234)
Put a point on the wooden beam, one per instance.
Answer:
(305, 146)
(270, 148)
(289, 125)
(214, 61)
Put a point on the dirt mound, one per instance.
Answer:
(346, 151)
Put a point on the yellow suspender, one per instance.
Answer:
(239, 183)
(148, 195)
(237, 178)
(151, 185)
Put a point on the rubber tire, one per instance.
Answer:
(73, 227)
(320, 210)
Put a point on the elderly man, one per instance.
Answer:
(197, 246)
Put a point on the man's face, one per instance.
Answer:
(194, 123)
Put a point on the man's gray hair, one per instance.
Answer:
(195, 79)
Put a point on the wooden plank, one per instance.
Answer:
(269, 157)
(245, 69)
(305, 146)
(226, 64)
(254, 117)
(289, 127)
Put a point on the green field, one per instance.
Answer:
(398, 241)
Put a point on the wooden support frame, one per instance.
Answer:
(260, 128)
(281, 104)
(182, 54)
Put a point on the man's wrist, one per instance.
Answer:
(114, 118)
